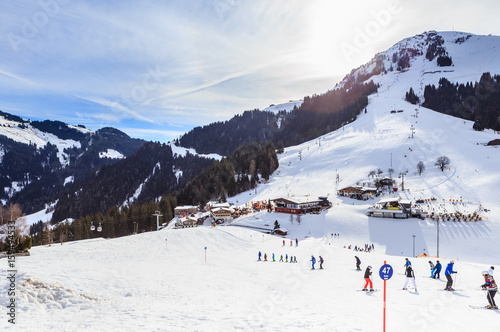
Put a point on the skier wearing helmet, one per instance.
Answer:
(491, 287)
(448, 272)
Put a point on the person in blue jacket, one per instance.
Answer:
(433, 268)
(313, 260)
(437, 270)
(448, 272)
(260, 255)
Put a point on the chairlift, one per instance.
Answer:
(99, 229)
(92, 227)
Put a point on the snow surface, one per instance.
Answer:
(284, 106)
(183, 151)
(69, 179)
(112, 154)
(31, 135)
(159, 281)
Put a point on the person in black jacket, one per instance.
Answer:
(410, 276)
(368, 273)
(358, 263)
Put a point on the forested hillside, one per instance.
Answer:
(144, 176)
(478, 101)
(319, 114)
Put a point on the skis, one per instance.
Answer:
(368, 291)
(481, 307)
(451, 290)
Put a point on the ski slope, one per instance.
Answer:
(160, 281)
(145, 282)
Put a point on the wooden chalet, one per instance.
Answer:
(294, 205)
(221, 213)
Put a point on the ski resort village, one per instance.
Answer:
(373, 206)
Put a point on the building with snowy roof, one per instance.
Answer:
(296, 205)
(392, 207)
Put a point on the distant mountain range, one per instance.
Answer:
(40, 160)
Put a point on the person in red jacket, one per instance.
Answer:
(491, 287)
(368, 273)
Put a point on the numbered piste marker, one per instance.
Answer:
(386, 272)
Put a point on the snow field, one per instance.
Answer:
(143, 281)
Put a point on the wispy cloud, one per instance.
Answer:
(125, 112)
(128, 64)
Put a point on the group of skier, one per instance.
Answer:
(489, 285)
(291, 243)
(367, 248)
(313, 261)
(435, 269)
(293, 259)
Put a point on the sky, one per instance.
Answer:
(157, 69)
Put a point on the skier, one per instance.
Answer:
(283, 243)
(295, 259)
(265, 257)
(291, 243)
(281, 258)
(431, 264)
(286, 258)
(296, 242)
(448, 272)
(321, 263)
(260, 255)
(410, 276)
(491, 287)
(407, 262)
(438, 270)
(358, 263)
(313, 260)
(273, 257)
(368, 273)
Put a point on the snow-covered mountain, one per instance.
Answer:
(209, 278)
(39, 159)
(394, 134)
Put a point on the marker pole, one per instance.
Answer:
(385, 303)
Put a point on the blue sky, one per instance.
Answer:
(156, 69)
